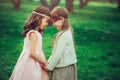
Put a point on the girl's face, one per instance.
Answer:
(58, 24)
(44, 22)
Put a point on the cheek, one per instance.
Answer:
(54, 24)
(61, 23)
(43, 23)
(57, 23)
(46, 22)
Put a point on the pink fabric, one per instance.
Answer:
(26, 67)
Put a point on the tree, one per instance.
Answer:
(16, 4)
(119, 4)
(69, 5)
(44, 3)
(83, 3)
(110, 1)
(53, 3)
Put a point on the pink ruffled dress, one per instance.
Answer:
(26, 67)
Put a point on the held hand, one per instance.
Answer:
(45, 68)
(45, 63)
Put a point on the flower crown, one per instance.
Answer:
(40, 14)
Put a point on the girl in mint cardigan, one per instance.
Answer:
(62, 61)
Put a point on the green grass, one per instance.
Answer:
(96, 33)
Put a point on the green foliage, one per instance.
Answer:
(96, 32)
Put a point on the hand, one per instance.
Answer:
(45, 63)
(45, 68)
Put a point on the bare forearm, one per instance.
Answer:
(37, 58)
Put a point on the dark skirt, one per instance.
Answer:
(64, 73)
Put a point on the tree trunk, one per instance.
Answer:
(69, 5)
(16, 4)
(119, 4)
(44, 3)
(54, 3)
(110, 1)
(83, 3)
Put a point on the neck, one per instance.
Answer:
(39, 30)
(59, 28)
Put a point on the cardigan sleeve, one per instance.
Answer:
(55, 58)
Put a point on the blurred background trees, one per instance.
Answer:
(68, 3)
(83, 3)
(16, 3)
(53, 3)
(119, 4)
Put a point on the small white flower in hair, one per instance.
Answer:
(40, 14)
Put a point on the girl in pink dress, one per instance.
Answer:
(32, 58)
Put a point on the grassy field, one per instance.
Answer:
(96, 33)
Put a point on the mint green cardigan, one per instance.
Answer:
(63, 53)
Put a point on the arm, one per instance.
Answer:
(33, 41)
(61, 43)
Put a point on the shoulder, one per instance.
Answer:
(66, 34)
(32, 34)
(63, 36)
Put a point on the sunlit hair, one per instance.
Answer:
(56, 14)
(35, 20)
(59, 12)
